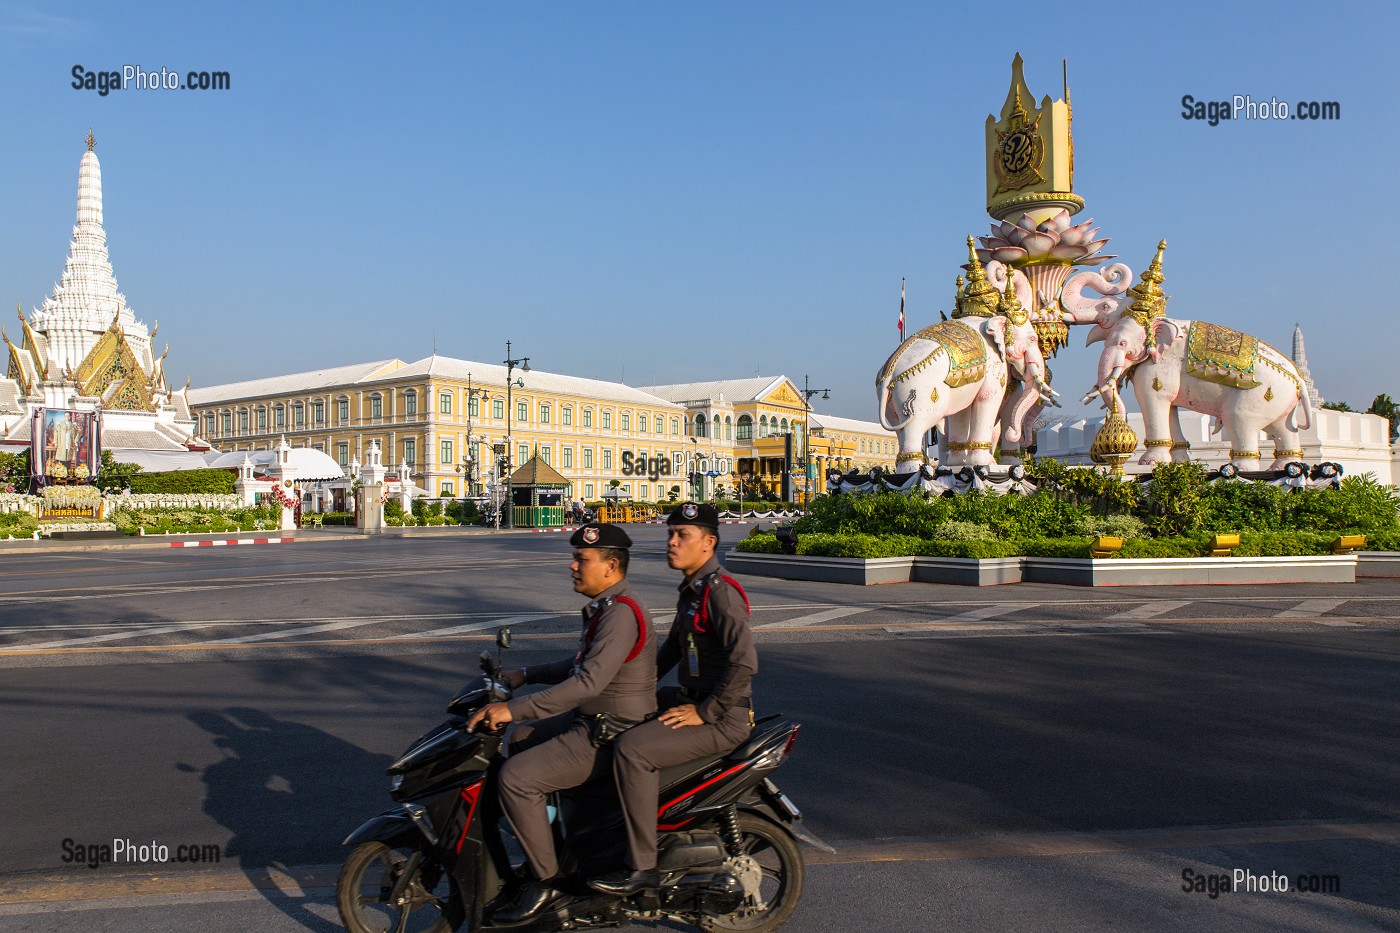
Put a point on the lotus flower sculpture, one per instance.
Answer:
(1051, 241)
(1046, 251)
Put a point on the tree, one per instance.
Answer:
(113, 476)
(14, 472)
(1386, 407)
(1336, 406)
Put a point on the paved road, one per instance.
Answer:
(1026, 757)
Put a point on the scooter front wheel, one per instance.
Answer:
(383, 888)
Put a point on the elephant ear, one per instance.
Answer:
(996, 333)
(1164, 332)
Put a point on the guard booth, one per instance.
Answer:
(540, 493)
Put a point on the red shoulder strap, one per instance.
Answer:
(703, 615)
(641, 627)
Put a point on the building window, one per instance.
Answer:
(262, 419)
(544, 454)
(588, 491)
(728, 428)
(568, 455)
(243, 420)
(644, 491)
(785, 427)
(588, 417)
(318, 413)
(677, 462)
(376, 406)
(568, 416)
(544, 414)
(444, 403)
(762, 425)
(607, 458)
(342, 455)
(474, 407)
(607, 421)
(626, 421)
(410, 403)
(524, 453)
(209, 425)
(522, 411)
(676, 426)
(343, 412)
(410, 451)
(498, 409)
(447, 489)
(588, 458)
(699, 425)
(228, 423)
(279, 417)
(745, 428)
(642, 423)
(446, 451)
(298, 415)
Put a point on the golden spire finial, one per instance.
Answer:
(980, 298)
(91, 140)
(1010, 304)
(19, 309)
(1149, 301)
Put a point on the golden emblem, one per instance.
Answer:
(1020, 150)
(1268, 395)
(1156, 383)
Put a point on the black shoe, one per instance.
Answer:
(625, 881)
(534, 898)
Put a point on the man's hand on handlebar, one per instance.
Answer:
(493, 716)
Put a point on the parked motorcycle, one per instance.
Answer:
(444, 858)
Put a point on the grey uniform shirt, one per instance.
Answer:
(599, 679)
(712, 642)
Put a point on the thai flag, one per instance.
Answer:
(901, 310)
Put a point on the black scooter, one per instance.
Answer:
(444, 858)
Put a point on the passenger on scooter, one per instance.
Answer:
(711, 713)
(610, 684)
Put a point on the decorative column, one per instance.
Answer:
(405, 488)
(280, 471)
(371, 488)
(243, 486)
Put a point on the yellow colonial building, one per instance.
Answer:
(450, 423)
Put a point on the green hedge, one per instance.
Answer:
(184, 481)
(195, 521)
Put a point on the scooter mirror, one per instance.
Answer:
(503, 637)
(488, 664)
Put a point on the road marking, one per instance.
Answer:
(1010, 629)
(815, 617)
(986, 612)
(110, 636)
(478, 626)
(1156, 607)
(1339, 623)
(1308, 608)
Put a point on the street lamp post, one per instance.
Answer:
(511, 363)
(807, 394)
(469, 458)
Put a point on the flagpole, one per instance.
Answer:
(901, 309)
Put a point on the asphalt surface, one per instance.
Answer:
(1026, 757)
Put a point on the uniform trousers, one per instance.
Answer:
(641, 751)
(550, 755)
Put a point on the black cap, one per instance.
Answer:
(600, 534)
(694, 513)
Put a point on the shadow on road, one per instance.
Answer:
(271, 787)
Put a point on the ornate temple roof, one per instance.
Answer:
(1300, 359)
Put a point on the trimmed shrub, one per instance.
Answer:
(962, 531)
(1115, 526)
(184, 481)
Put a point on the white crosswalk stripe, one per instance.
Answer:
(478, 626)
(816, 617)
(1150, 610)
(1308, 608)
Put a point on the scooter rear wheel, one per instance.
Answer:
(780, 888)
(363, 892)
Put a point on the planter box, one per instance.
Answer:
(854, 570)
(1378, 564)
(967, 571)
(1340, 568)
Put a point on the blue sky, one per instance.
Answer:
(672, 192)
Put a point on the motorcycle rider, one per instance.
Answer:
(609, 684)
(711, 713)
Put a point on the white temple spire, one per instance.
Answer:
(1300, 360)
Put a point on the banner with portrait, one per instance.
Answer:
(66, 445)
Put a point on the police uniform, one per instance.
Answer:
(712, 642)
(614, 672)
